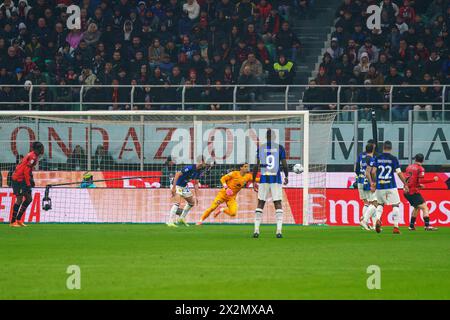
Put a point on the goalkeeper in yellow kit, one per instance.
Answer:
(232, 183)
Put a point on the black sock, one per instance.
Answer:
(22, 210)
(15, 211)
(413, 221)
(427, 221)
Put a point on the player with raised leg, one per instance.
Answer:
(371, 178)
(372, 197)
(363, 183)
(269, 157)
(415, 175)
(383, 168)
(180, 190)
(232, 183)
(22, 183)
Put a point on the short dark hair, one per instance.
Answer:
(38, 147)
(371, 141)
(419, 157)
(387, 145)
(370, 147)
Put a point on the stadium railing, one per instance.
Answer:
(231, 97)
(347, 141)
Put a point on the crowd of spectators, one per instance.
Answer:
(143, 43)
(411, 48)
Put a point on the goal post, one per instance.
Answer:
(132, 157)
(305, 174)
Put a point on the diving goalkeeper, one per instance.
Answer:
(232, 183)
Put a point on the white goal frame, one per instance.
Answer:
(302, 113)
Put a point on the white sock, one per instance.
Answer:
(370, 212)
(186, 210)
(279, 216)
(364, 213)
(173, 212)
(379, 213)
(395, 215)
(258, 217)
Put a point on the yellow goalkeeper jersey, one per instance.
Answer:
(235, 181)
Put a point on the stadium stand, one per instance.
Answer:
(150, 42)
(411, 48)
(224, 42)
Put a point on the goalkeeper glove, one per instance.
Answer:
(228, 191)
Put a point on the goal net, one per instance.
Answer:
(117, 167)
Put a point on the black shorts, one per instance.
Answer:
(19, 188)
(415, 199)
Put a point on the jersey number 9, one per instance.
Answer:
(270, 162)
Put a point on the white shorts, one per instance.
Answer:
(185, 192)
(372, 196)
(275, 189)
(363, 194)
(387, 196)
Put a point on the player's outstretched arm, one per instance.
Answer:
(174, 184)
(372, 173)
(254, 174)
(27, 172)
(403, 179)
(224, 180)
(357, 168)
(426, 181)
(286, 171)
(368, 174)
(196, 184)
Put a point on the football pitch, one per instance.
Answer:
(125, 261)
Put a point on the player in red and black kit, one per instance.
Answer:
(22, 182)
(415, 174)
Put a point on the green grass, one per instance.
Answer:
(221, 262)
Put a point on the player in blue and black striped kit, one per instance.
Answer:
(362, 182)
(382, 181)
(181, 190)
(271, 157)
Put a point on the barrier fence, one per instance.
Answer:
(347, 140)
(342, 208)
(392, 102)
